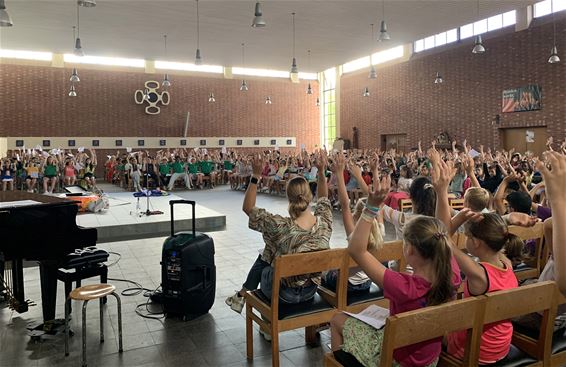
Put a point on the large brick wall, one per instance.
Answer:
(34, 102)
(405, 100)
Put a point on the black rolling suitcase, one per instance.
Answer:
(188, 273)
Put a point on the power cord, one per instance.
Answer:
(136, 290)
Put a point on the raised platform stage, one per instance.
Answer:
(122, 221)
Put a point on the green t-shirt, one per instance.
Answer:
(193, 168)
(228, 166)
(50, 170)
(178, 167)
(164, 168)
(206, 167)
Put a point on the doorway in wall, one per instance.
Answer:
(522, 139)
(394, 141)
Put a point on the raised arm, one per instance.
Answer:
(322, 185)
(251, 192)
(357, 173)
(500, 194)
(338, 170)
(357, 246)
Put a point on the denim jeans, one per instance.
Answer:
(262, 273)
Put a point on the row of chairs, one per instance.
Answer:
(407, 204)
(472, 314)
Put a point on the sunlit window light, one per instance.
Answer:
(387, 55)
(308, 76)
(543, 8)
(419, 45)
(509, 18)
(357, 64)
(26, 55)
(169, 65)
(260, 72)
(102, 60)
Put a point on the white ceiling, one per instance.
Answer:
(335, 31)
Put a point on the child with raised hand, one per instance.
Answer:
(554, 175)
(488, 239)
(435, 278)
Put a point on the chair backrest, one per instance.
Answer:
(457, 204)
(304, 263)
(405, 204)
(536, 297)
(534, 233)
(433, 322)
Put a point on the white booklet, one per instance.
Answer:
(374, 316)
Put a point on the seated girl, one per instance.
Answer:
(435, 278)
(70, 174)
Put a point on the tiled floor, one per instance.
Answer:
(215, 339)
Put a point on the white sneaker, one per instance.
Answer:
(265, 335)
(236, 302)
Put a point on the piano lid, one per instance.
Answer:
(21, 196)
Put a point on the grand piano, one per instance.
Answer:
(39, 228)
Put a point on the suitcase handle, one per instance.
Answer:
(190, 202)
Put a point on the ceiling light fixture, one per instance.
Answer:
(372, 72)
(383, 35)
(554, 58)
(211, 98)
(366, 92)
(309, 87)
(166, 82)
(5, 19)
(198, 58)
(244, 86)
(317, 103)
(87, 3)
(438, 79)
(146, 94)
(268, 100)
(74, 76)
(78, 48)
(294, 68)
(478, 44)
(258, 21)
(72, 91)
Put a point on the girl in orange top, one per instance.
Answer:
(488, 239)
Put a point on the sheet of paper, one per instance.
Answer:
(223, 150)
(473, 153)
(12, 204)
(374, 316)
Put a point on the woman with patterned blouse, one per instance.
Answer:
(303, 231)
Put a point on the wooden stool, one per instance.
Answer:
(85, 294)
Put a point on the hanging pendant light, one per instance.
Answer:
(478, 44)
(294, 68)
(366, 92)
(166, 82)
(383, 34)
(372, 72)
(146, 94)
(72, 91)
(554, 58)
(211, 98)
(198, 58)
(5, 19)
(317, 103)
(268, 100)
(309, 87)
(87, 3)
(258, 21)
(438, 79)
(74, 76)
(78, 48)
(244, 86)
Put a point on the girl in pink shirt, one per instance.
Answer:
(488, 239)
(434, 280)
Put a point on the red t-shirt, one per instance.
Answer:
(406, 293)
(496, 337)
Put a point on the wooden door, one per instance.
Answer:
(517, 138)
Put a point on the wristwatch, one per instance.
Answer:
(254, 180)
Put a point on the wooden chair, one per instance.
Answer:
(532, 267)
(275, 317)
(357, 301)
(457, 204)
(405, 205)
(429, 323)
(508, 304)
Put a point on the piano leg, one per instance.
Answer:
(48, 275)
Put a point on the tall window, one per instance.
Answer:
(546, 7)
(329, 108)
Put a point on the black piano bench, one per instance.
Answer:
(68, 276)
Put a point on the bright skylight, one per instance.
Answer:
(387, 55)
(260, 72)
(26, 55)
(357, 64)
(169, 65)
